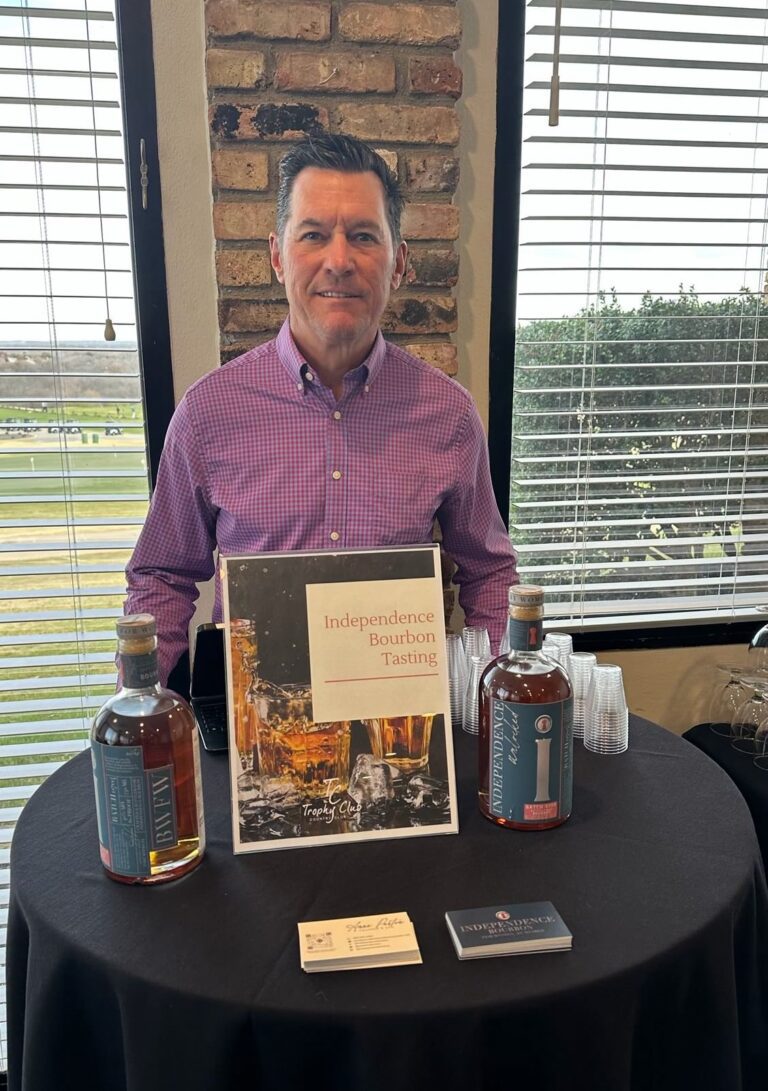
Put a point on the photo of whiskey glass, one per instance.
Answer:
(403, 741)
(244, 658)
(315, 756)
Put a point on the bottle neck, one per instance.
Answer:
(525, 635)
(139, 671)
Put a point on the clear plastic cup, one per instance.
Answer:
(457, 676)
(579, 669)
(606, 730)
(476, 641)
(564, 644)
(551, 648)
(470, 716)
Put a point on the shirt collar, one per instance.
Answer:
(292, 360)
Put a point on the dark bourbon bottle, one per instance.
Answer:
(526, 726)
(146, 768)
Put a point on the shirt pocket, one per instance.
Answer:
(403, 507)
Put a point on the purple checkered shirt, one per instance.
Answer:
(261, 457)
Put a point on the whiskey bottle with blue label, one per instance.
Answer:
(146, 769)
(526, 726)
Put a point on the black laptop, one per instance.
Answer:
(208, 686)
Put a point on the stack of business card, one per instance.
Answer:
(508, 930)
(358, 943)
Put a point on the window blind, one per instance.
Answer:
(73, 461)
(639, 463)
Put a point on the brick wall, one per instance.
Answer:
(380, 71)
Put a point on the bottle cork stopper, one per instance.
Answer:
(521, 594)
(136, 626)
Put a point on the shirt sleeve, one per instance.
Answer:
(175, 549)
(474, 535)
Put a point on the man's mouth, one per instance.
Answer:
(338, 295)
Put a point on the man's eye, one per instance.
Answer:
(365, 236)
(311, 236)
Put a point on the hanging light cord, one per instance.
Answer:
(109, 329)
(554, 87)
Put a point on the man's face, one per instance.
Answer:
(338, 263)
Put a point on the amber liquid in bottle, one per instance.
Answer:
(162, 726)
(521, 677)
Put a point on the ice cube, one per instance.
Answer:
(371, 782)
(249, 787)
(279, 792)
(423, 791)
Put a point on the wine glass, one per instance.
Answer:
(727, 698)
(758, 646)
(761, 733)
(751, 714)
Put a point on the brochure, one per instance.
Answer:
(337, 696)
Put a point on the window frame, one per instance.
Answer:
(153, 334)
(506, 220)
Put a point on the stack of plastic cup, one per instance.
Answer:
(457, 676)
(607, 727)
(470, 716)
(560, 643)
(476, 642)
(579, 669)
(550, 648)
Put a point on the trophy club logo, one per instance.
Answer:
(502, 915)
(543, 724)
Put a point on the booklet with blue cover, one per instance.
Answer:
(508, 930)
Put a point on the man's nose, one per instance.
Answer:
(338, 255)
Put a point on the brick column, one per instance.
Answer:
(380, 71)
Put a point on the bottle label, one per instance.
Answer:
(198, 791)
(139, 670)
(525, 636)
(135, 808)
(531, 760)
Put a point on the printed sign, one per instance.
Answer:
(338, 706)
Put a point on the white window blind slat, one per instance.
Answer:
(640, 412)
(73, 459)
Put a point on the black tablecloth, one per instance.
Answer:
(751, 781)
(197, 984)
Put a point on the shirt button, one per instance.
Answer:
(335, 535)
(336, 475)
(336, 415)
(310, 376)
(299, 386)
(366, 388)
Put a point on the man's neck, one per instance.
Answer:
(330, 367)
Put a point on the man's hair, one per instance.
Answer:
(329, 151)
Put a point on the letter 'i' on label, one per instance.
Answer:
(531, 776)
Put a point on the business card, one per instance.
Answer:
(351, 943)
(516, 929)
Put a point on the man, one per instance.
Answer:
(328, 436)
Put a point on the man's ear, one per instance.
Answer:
(274, 257)
(398, 270)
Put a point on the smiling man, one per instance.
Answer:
(338, 260)
(327, 437)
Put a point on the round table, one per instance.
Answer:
(751, 781)
(197, 984)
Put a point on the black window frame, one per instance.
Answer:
(506, 218)
(137, 73)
